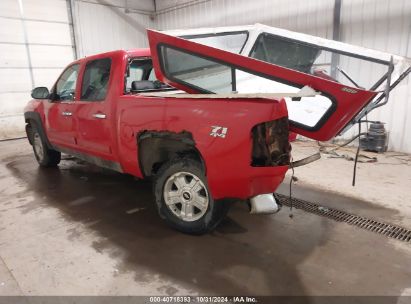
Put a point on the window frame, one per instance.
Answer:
(331, 50)
(84, 73)
(314, 128)
(126, 72)
(208, 35)
(54, 89)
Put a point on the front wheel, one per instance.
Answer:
(45, 157)
(183, 198)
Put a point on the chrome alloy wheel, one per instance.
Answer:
(38, 146)
(186, 196)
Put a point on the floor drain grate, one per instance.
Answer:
(388, 230)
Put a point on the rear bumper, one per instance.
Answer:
(247, 183)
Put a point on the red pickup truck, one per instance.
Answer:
(219, 141)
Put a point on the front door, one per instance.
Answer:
(92, 110)
(60, 110)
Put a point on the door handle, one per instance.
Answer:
(66, 113)
(99, 115)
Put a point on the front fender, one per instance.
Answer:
(35, 117)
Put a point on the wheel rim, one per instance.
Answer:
(38, 146)
(186, 196)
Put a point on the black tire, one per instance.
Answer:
(45, 157)
(210, 216)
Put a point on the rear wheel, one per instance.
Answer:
(45, 157)
(183, 198)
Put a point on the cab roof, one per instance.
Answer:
(141, 52)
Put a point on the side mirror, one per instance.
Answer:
(40, 93)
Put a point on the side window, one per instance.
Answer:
(95, 80)
(66, 85)
(136, 73)
(152, 76)
(141, 77)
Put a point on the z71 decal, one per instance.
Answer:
(217, 131)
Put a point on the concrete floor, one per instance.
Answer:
(80, 230)
(385, 183)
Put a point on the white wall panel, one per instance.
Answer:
(9, 8)
(102, 28)
(46, 77)
(15, 80)
(13, 55)
(311, 17)
(48, 33)
(29, 55)
(138, 5)
(48, 10)
(384, 25)
(45, 56)
(10, 100)
(11, 30)
(167, 4)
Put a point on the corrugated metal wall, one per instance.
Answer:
(106, 25)
(312, 17)
(384, 25)
(35, 45)
(380, 24)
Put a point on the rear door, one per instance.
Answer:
(197, 68)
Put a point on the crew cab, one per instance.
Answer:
(204, 123)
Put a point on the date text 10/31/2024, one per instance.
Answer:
(202, 299)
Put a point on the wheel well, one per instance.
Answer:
(29, 130)
(33, 120)
(157, 147)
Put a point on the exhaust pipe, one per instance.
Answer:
(263, 204)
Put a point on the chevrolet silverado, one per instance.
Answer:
(225, 137)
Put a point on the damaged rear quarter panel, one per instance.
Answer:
(227, 159)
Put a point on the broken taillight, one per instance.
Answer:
(271, 146)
